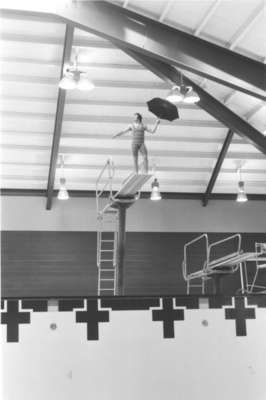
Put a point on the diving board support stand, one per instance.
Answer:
(114, 205)
(121, 244)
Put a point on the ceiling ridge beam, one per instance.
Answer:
(217, 167)
(55, 40)
(110, 119)
(123, 167)
(69, 34)
(96, 136)
(185, 181)
(57, 63)
(110, 103)
(98, 82)
(100, 151)
(144, 195)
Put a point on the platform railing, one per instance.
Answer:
(187, 246)
(220, 243)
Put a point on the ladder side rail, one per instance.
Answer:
(115, 243)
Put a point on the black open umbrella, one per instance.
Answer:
(163, 109)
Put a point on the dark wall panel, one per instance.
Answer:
(64, 263)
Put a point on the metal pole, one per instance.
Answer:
(121, 242)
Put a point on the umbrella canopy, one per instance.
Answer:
(163, 109)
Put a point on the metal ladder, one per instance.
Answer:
(106, 252)
(106, 233)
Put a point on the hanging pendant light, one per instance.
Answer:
(74, 78)
(182, 93)
(175, 95)
(67, 82)
(155, 192)
(62, 193)
(241, 195)
(191, 97)
(84, 83)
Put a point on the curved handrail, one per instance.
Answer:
(188, 244)
(104, 183)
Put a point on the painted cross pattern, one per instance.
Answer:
(92, 317)
(70, 304)
(35, 305)
(13, 318)
(240, 314)
(168, 315)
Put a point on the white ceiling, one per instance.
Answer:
(184, 151)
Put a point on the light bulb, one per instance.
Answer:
(241, 196)
(155, 193)
(191, 97)
(62, 193)
(85, 84)
(175, 96)
(67, 82)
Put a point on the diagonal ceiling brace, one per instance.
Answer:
(162, 42)
(207, 102)
(217, 167)
(168, 44)
(59, 117)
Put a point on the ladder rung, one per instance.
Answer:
(107, 289)
(106, 260)
(110, 269)
(107, 280)
(107, 241)
(107, 251)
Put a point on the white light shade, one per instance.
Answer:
(68, 82)
(241, 196)
(85, 84)
(155, 193)
(175, 96)
(191, 97)
(62, 193)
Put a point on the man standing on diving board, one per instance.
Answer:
(138, 130)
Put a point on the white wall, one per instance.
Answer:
(78, 214)
(132, 360)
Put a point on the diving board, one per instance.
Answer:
(132, 185)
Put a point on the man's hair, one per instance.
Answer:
(139, 116)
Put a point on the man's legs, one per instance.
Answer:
(135, 153)
(144, 152)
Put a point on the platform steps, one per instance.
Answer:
(106, 252)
